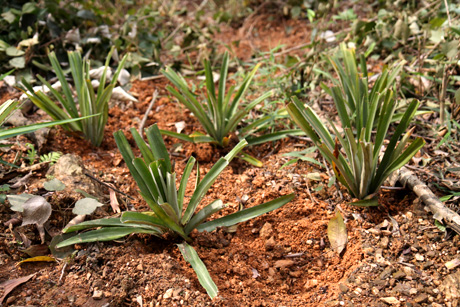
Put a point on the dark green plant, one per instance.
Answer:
(90, 101)
(354, 153)
(156, 180)
(219, 112)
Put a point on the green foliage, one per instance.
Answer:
(51, 157)
(354, 154)
(9, 106)
(31, 153)
(219, 112)
(91, 102)
(157, 183)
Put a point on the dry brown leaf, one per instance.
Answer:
(38, 259)
(113, 200)
(337, 233)
(9, 285)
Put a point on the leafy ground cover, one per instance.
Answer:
(394, 254)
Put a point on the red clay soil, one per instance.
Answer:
(280, 259)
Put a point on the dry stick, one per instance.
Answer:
(442, 96)
(433, 204)
(144, 120)
(106, 185)
(448, 13)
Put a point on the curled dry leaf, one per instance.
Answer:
(38, 259)
(114, 201)
(36, 210)
(337, 233)
(9, 285)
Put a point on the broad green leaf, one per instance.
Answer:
(246, 214)
(203, 214)
(104, 234)
(191, 256)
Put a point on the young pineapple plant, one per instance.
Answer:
(365, 114)
(156, 180)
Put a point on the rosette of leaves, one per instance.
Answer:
(90, 101)
(219, 112)
(156, 180)
(354, 154)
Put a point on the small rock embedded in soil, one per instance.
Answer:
(390, 300)
(97, 294)
(168, 293)
(270, 244)
(399, 275)
(343, 288)
(266, 230)
(284, 263)
(421, 298)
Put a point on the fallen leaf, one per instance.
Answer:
(61, 253)
(21, 181)
(17, 201)
(38, 259)
(36, 211)
(337, 233)
(9, 285)
(54, 185)
(37, 250)
(114, 201)
(86, 206)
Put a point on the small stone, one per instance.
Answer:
(284, 263)
(176, 292)
(386, 273)
(311, 283)
(431, 254)
(140, 267)
(421, 298)
(409, 215)
(390, 300)
(98, 294)
(375, 291)
(427, 264)
(399, 275)
(413, 291)
(419, 257)
(266, 230)
(270, 243)
(271, 272)
(168, 293)
(384, 242)
(343, 288)
(10, 300)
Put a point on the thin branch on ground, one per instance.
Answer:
(144, 120)
(108, 186)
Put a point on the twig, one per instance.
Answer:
(433, 204)
(62, 273)
(108, 186)
(448, 13)
(144, 120)
(301, 138)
